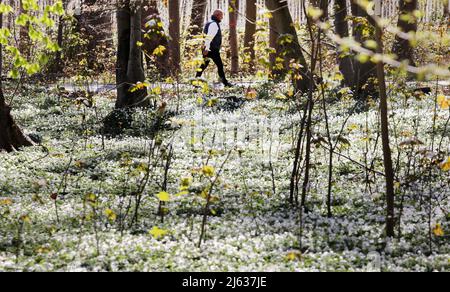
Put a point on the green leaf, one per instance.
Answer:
(163, 196)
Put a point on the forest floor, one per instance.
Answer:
(70, 206)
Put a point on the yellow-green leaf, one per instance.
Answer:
(157, 233)
(163, 196)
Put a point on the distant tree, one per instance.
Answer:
(233, 10)
(250, 30)
(446, 10)
(155, 38)
(364, 70)
(273, 44)
(198, 15)
(407, 23)
(345, 59)
(57, 67)
(174, 33)
(322, 5)
(24, 38)
(283, 26)
(95, 25)
(130, 68)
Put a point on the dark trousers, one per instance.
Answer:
(215, 56)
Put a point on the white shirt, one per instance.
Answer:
(213, 29)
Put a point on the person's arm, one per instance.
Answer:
(212, 32)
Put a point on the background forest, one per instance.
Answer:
(330, 153)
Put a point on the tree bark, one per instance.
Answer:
(446, 10)
(153, 37)
(11, 136)
(323, 5)
(250, 30)
(273, 44)
(387, 153)
(57, 66)
(174, 32)
(345, 60)
(129, 69)
(233, 9)
(365, 72)
(198, 14)
(96, 27)
(283, 26)
(402, 47)
(24, 38)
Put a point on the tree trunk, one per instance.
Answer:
(345, 60)
(365, 72)
(250, 30)
(129, 69)
(234, 8)
(174, 32)
(323, 5)
(283, 26)
(273, 44)
(387, 154)
(198, 14)
(154, 37)
(57, 66)
(96, 26)
(446, 10)
(402, 47)
(11, 137)
(24, 38)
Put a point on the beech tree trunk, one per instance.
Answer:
(234, 8)
(365, 72)
(345, 60)
(11, 136)
(273, 44)
(153, 37)
(282, 25)
(174, 32)
(402, 47)
(130, 69)
(250, 30)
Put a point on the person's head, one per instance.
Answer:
(218, 15)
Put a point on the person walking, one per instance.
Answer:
(213, 44)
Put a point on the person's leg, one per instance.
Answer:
(205, 64)
(215, 56)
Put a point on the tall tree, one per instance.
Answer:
(250, 30)
(345, 60)
(154, 37)
(174, 33)
(283, 26)
(129, 69)
(198, 15)
(384, 117)
(273, 44)
(95, 25)
(234, 46)
(322, 5)
(446, 9)
(57, 65)
(407, 23)
(11, 136)
(24, 38)
(365, 70)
